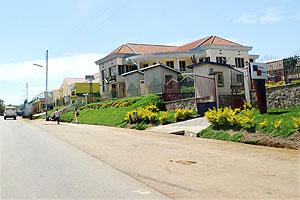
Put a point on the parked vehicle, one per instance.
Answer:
(10, 112)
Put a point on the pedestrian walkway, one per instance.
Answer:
(190, 127)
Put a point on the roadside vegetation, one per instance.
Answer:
(132, 112)
(279, 127)
(272, 84)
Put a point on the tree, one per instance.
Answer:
(290, 67)
(1, 107)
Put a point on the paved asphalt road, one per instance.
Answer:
(37, 165)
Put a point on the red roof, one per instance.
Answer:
(143, 48)
(133, 48)
(206, 41)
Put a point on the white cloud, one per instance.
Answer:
(13, 76)
(265, 16)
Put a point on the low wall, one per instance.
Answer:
(235, 101)
(281, 97)
(183, 104)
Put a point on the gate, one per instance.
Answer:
(205, 93)
(171, 90)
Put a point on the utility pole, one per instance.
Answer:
(46, 94)
(27, 92)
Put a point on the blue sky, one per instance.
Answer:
(77, 32)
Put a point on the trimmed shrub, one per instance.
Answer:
(141, 115)
(278, 123)
(183, 114)
(231, 118)
(262, 125)
(296, 123)
(163, 117)
(152, 108)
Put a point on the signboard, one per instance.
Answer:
(258, 70)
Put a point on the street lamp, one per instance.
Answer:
(46, 92)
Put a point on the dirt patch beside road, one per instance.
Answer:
(185, 168)
(291, 142)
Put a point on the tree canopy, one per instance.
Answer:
(1, 107)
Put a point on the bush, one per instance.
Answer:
(296, 123)
(152, 108)
(163, 118)
(183, 114)
(229, 118)
(139, 126)
(277, 123)
(262, 125)
(141, 115)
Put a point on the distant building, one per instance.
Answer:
(275, 70)
(286, 69)
(82, 93)
(38, 103)
(66, 88)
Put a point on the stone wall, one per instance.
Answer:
(281, 97)
(235, 101)
(183, 104)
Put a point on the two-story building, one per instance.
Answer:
(130, 57)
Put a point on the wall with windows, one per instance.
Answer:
(230, 56)
(177, 63)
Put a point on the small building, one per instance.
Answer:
(228, 78)
(82, 93)
(155, 76)
(66, 91)
(135, 84)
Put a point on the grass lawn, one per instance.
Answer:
(260, 135)
(285, 114)
(97, 114)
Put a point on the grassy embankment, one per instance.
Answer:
(112, 112)
(277, 123)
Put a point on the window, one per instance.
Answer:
(251, 60)
(168, 78)
(121, 69)
(221, 60)
(170, 64)
(103, 74)
(239, 78)
(239, 62)
(220, 79)
(145, 65)
(182, 66)
(207, 59)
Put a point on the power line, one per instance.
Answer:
(96, 27)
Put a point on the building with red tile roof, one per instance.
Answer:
(132, 56)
